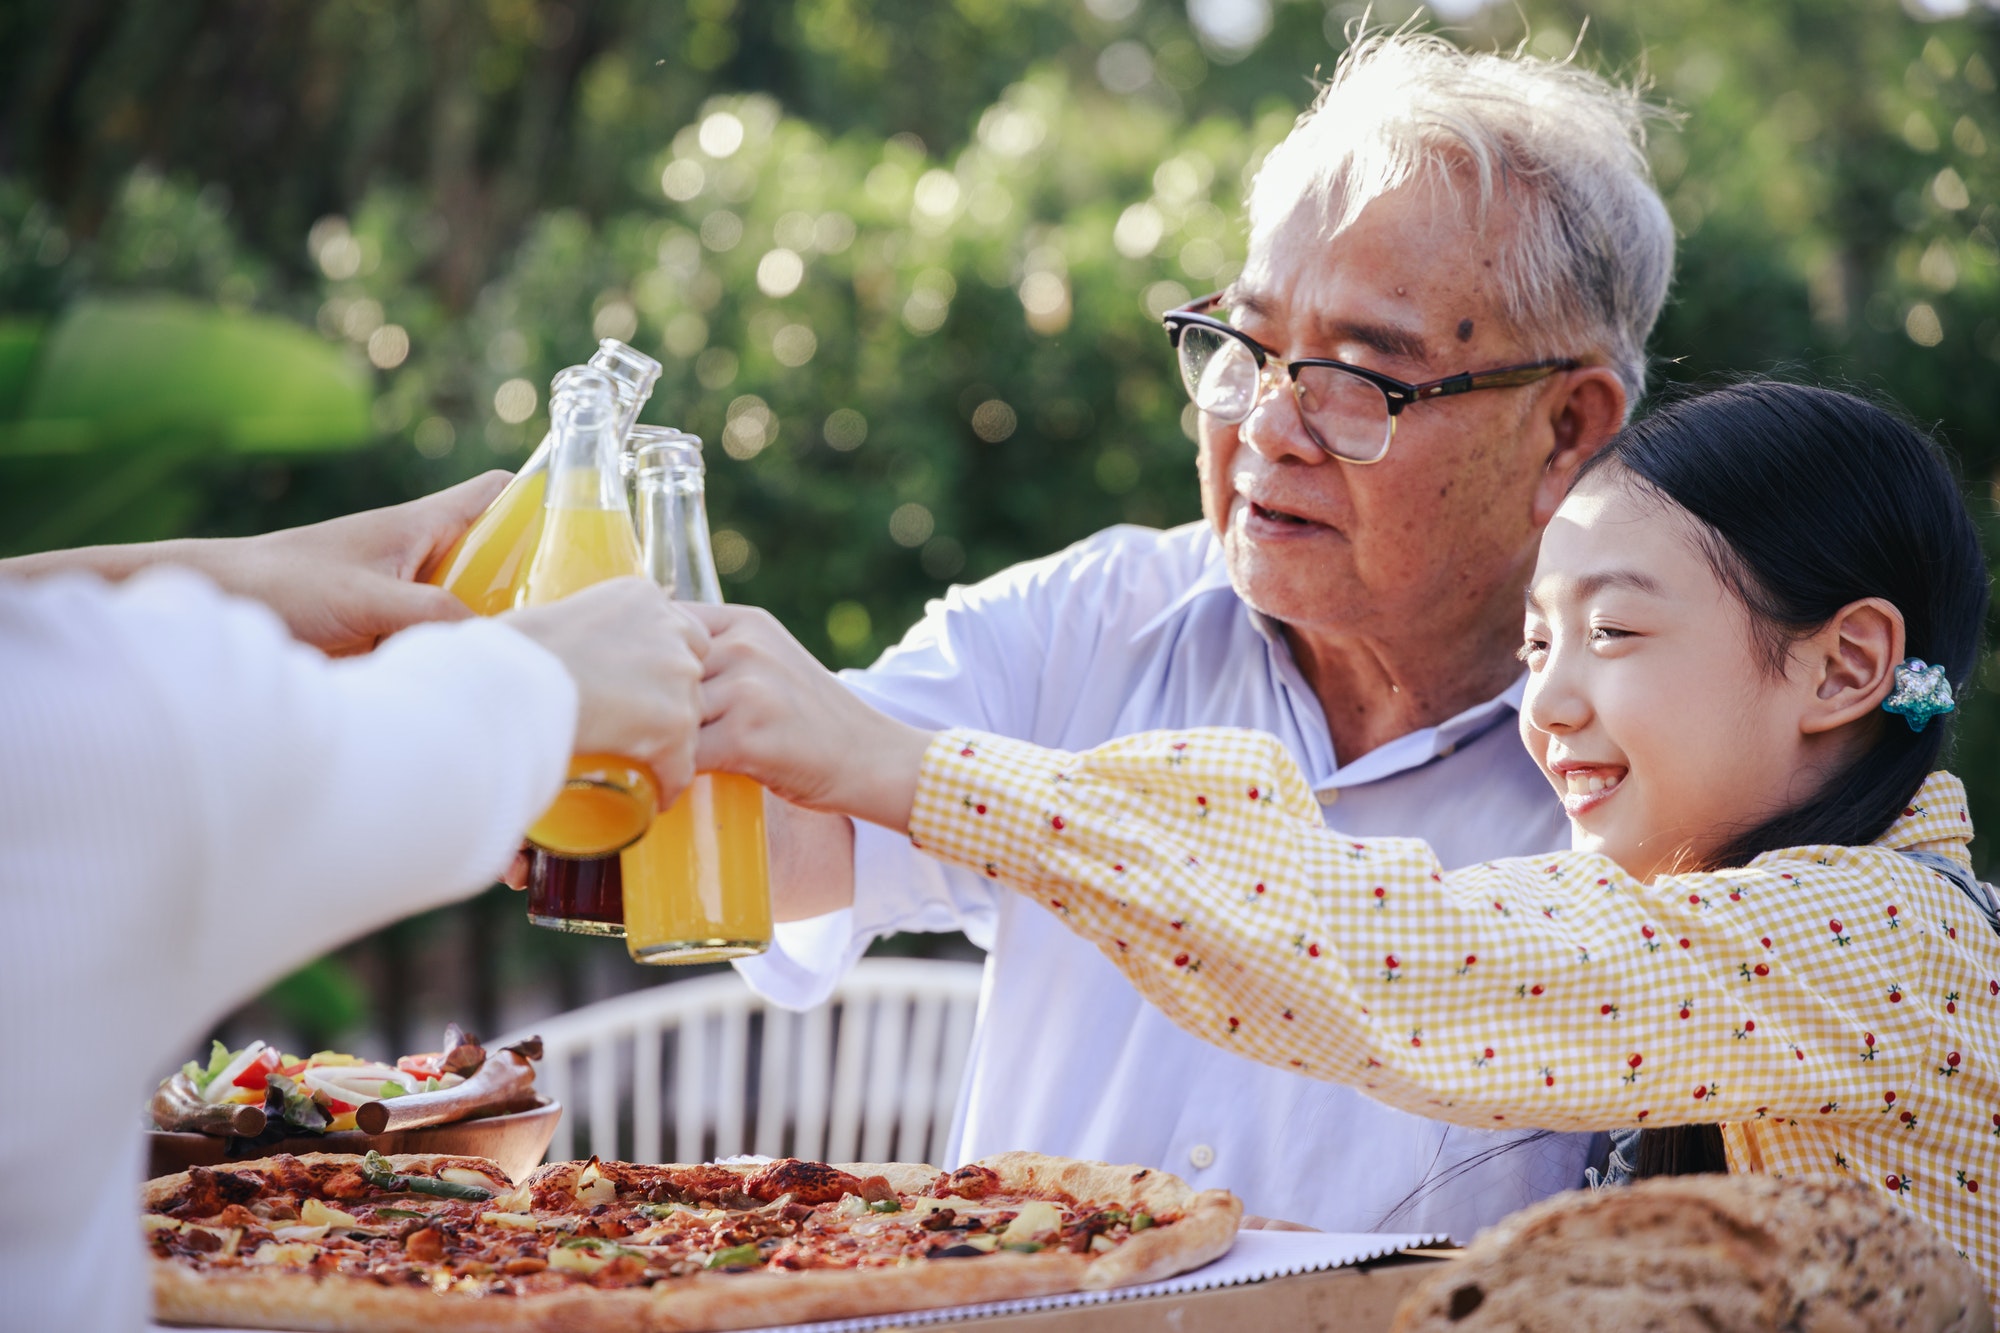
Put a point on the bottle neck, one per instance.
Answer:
(673, 533)
(584, 462)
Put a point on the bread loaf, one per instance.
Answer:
(1711, 1253)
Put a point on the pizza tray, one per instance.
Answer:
(517, 1142)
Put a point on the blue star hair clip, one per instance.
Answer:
(1921, 693)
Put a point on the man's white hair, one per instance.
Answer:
(1588, 252)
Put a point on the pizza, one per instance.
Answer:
(330, 1241)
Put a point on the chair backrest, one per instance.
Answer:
(700, 1069)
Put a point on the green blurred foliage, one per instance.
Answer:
(903, 257)
(321, 1003)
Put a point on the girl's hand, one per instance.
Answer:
(636, 658)
(770, 711)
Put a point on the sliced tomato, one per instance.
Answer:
(294, 1069)
(430, 1064)
(257, 1074)
(339, 1107)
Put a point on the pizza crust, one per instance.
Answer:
(1202, 1227)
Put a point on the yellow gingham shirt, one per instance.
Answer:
(1837, 1009)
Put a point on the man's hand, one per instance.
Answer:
(348, 583)
(341, 586)
(636, 657)
(772, 712)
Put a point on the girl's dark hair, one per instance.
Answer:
(1809, 499)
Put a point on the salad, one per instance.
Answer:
(311, 1094)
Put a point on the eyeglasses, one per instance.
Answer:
(1349, 411)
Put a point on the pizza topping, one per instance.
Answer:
(208, 1192)
(968, 1182)
(808, 1182)
(1036, 1219)
(375, 1169)
(736, 1256)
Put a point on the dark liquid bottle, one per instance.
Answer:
(584, 897)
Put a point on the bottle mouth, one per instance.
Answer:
(657, 450)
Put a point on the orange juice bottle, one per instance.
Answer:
(697, 887)
(486, 566)
(587, 537)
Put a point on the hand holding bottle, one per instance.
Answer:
(772, 712)
(636, 657)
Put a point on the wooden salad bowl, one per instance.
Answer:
(516, 1141)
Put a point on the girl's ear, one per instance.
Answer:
(1852, 663)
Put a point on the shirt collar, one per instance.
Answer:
(1936, 820)
(1405, 752)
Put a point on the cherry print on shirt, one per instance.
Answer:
(1743, 1033)
(1867, 1046)
(1951, 1002)
(1233, 1025)
(1704, 1091)
(1687, 1008)
(1485, 1058)
(1632, 1063)
(1646, 934)
(1416, 1036)
(1965, 1182)
(1838, 938)
(1895, 993)
(977, 807)
(1548, 1075)
(966, 753)
(1748, 971)
(1381, 895)
(1894, 923)
(1523, 992)
(1391, 969)
(1465, 966)
(1607, 1010)
(1950, 1065)
(1301, 945)
(1896, 1183)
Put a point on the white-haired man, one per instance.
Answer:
(1454, 263)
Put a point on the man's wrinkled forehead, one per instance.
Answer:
(1378, 278)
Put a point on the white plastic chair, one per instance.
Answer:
(696, 1070)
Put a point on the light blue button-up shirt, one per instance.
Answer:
(1129, 631)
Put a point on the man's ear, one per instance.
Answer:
(1583, 414)
(1851, 664)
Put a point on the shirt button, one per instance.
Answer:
(1329, 796)
(1202, 1156)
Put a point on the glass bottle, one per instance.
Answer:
(587, 537)
(485, 567)
(697, 887)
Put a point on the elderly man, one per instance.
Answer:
(1454, 263)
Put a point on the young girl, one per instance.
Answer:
(1743, 626)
